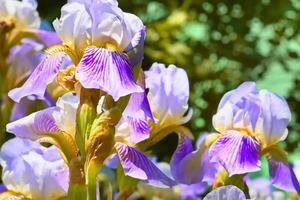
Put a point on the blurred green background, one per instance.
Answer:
(220, 44)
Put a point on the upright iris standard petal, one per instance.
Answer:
(238, 109)
(107, 70)
(168, 94)
(43, 74)
(34, 171)
(35, 124)
(283, 176)
(275, 117)
(190, 167)
(236, 152)
(137, 165)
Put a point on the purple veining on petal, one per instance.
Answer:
(107, 70)
(137, 165)
(35, 124)
(283, 176)
(42, 75)
(137, 113)
(236, 152)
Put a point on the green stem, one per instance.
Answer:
(91, 181)
(77, 187)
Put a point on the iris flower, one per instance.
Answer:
(103, 42)
(60, 119)
(32, 171)
(251, 123)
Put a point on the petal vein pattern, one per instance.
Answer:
(43, 74)
(107, 70)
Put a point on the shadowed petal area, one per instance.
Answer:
(48, 37)
(137, 113)
(107, 70)
(35, 124)
(137, 165)
(283, 176)
(236, 152)
(42, 75)
(188, 166)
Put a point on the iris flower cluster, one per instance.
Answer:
(109, 112)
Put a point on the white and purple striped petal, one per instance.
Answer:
(137, 165)
(35, 124)
(283, 176)
(42, 75)
(107, 70)
(236, 152)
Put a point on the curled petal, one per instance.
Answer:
(43, 74)
(137, 165)
(35, 124)
(283, 176)
(136, 114)
(236, 152)
(188, 166)
(107, 70)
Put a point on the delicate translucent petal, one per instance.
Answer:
(168, 93)
(135, 50)
(236, 152)
(238, 109)
(35, 124)
(74, 26)
(137, 165)
(275, 117)
(226, 192)
(283, 176)
(107, 70)
(68, 105)
(43, 74)
(34, 171)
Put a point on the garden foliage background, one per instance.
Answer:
(220, 44)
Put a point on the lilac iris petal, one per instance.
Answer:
(32, 170)
(275, 117)
(188, 166)
(283, 176)
(236, 152)
(135, 50)
(137, 113)
(35, 124)
(43, 74)
(48, 37)
(238, 109)
(107, 70)
(137, 165)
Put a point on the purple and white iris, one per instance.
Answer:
(104, 42)
(250, 123)
(32, 171)
(61, 119)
